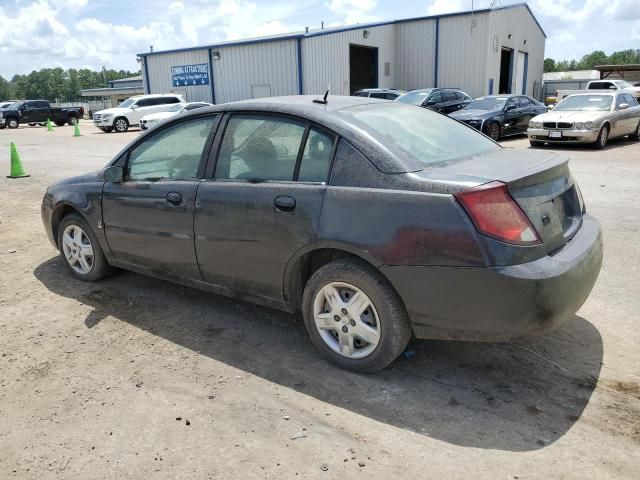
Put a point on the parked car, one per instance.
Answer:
(588, 118)
(377, 220)
(37, 111)
(132, 110)
(443, 100)
(6, 104)
(601, 86)
(382, 93)
(500, 115)
(153, 119)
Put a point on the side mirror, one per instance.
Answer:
(623, 106)
(612, 87)
(113, 174)
(430, 103)
(134, 106)
(510, 107)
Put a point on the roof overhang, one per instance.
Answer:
(108, 92)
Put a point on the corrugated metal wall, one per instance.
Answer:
(325, 59)
(415, 54)
(518, 23)
(159, 69)
(469, 49)
(463, 52)
(256, 70)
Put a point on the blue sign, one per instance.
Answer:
(190, 75)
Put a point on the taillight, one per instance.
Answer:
(496, 214)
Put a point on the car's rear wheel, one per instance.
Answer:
(635, 136)
(121, 125)
(72, 120)
(354, 317)
(80, 249)
(601, 142)
(493, 130)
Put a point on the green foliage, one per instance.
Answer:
(56, 84)
(587, 62)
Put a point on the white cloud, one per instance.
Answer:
(447, 6)
(354, 11)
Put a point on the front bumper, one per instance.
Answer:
(2, 122)
(103, 122)
(568, 135)
(501, 303)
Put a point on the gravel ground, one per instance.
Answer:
(134, 377)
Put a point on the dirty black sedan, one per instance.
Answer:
(377, 220)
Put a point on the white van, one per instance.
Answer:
(132, 110)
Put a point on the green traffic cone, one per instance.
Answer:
(76, 130)
(16, 165)
(49, 126)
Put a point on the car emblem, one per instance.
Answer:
(546, 219)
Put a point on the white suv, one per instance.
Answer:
(132, 110)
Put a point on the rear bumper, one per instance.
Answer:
(501, 303)
(568, 135)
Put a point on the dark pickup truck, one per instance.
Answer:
(33, 112)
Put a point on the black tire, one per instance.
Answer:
(12, 122)
(603, 137)
(635, 136)
(72, 120)
(100, 268)
(59, 123)
(2, 127)
(393, 323)
(121, 125)
(493, 131)
(536, 143)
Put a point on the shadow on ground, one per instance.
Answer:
(513, 397)
(558, 147)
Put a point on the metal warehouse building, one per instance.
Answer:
(499, 50)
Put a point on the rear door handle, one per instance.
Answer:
(174, 198)
(285, 203)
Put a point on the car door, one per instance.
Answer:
(139, 109)
(629, 117)
(512, 116)
(433, 101)
(449, 102)
(527, 112)
(28, 112)
(262, 202)
(148, 217)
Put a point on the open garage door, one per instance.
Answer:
(506, 70)
(520, 85)
(363, 67)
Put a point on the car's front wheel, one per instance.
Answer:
(354, 317)
(80, 250)
(13, 123)
(121, 125)
(603, 137)
(493, 131)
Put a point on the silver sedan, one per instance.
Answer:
(592, 118)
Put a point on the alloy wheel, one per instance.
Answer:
(121, 125)
(346, 319)
(494, 131)
(77, 249)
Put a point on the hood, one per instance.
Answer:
(473, 114)
(79, 179)
(159, 116)
(115, 111)
(569, 116)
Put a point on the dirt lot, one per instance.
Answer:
(137, 378)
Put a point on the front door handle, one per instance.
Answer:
(174, 198)
(285, 203)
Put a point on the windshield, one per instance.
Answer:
(175, 108)
(414, 98)
(623, 84)
(15, 106)
(585, 103)
(127, 103)
(489, 103)
(423, 135)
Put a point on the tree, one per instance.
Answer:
(5, 90)
(549, 65)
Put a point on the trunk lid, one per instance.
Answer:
(541, 184)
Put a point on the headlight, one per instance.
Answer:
(535, 124)
(579, 125)
(1, 114)
(107, 115)
(588, 125)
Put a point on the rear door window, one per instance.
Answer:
(316, 157)
(256, 147)
(524, 102)
(448, 97)
(435, 97)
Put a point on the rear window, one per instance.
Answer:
(427, 137)
(414, 98)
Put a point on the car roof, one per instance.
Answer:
(394, 90)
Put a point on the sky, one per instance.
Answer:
(36, 34)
